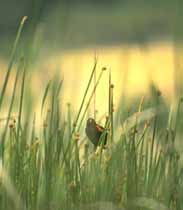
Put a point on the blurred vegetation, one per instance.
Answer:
(77, 22)
(42, 167)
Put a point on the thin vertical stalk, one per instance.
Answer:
(12, 58)
(90, 98)
(84, 97)
(94, 96)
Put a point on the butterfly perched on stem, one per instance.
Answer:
(96, 133)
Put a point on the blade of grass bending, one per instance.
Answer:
(21, 102)
(98, 80)
(33, 129)
(10, 110)
(142, 136)
(145, 115)
(45, 96)
(59, 88)
(12, 57)
(84, 97)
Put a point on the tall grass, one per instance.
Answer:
(43, 168)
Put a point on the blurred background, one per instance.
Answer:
(138, 40)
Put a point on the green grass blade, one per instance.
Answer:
(10, 109)
(21, 102)
(84, 97)
(90, 98)
(12, 57)
(45, 96)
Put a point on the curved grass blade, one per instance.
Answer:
(12, 57)
(45, 96)
(21, 102)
